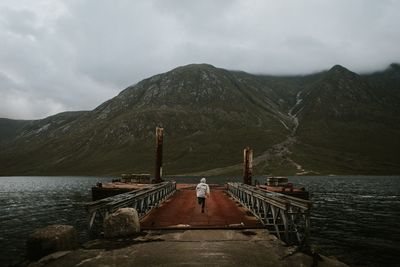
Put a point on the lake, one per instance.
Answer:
(354, 218)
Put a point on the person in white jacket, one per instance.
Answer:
(202, 191)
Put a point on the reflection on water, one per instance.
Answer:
(353, 218)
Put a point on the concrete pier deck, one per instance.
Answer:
(177, 233)
(183, 211)
(188, 248)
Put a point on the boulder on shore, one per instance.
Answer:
(123, 222)
(50, 239)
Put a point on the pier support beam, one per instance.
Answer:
(159, 149)
(247, 165)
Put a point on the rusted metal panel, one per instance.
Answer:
(142, 178)
(183, 211)
(104, 190)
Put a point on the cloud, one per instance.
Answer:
(59, 55)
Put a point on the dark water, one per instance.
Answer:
(28, 203)
(355, 219)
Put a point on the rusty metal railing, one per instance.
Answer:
(287, 217)
(143, 200)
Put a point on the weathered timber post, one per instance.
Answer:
(159, 146)
(247, 165)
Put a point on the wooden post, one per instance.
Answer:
(159, 147)
(247, 165)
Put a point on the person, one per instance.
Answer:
(202, 191)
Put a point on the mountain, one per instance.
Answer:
(10, 128)
(334, 121)
(346, 120)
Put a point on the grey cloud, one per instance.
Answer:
(71, 55)
(19, 103)
(19, 22)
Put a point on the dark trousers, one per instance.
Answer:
(202, 201)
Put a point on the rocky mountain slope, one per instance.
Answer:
(348, 120)
(330, 122)
(10, 128)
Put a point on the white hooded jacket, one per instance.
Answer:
(202, 189)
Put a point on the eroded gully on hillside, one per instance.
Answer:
(278, 152)
(281, 151)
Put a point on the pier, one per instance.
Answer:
(183, 211)
(168, 205)
(242, 224)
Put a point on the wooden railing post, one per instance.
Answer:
(159, 150)
(247, 165)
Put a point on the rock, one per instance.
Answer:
(54, 256)
(50, 239)
(123, 222)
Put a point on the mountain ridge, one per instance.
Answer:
(213, 113)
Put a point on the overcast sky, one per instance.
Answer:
(59, 55)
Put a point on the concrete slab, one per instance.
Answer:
(189, 248)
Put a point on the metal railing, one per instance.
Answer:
(287, 217)
(143, 200)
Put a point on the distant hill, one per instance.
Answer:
(332, 122)
(9, 129)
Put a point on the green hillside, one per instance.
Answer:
(332, 122)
